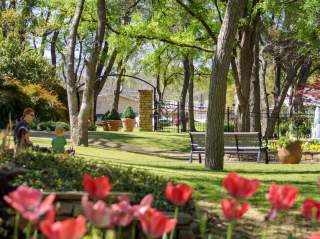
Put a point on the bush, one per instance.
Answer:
(92, 127)
(113, 115)
(106, 116)
(53, 173)
(51, 125)
(128, 113)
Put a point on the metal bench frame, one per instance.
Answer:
(199, 149)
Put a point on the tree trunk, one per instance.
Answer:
(218, 85)
(90, 79)
(291, 74)
(44, 36)
(264, 101)
(71, 76)
(255, 119)
(53, 48)
(302, 80)
(118, 86)
(191, 103)
(101, 80)
(183, 95)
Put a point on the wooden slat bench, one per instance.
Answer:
(234, 143)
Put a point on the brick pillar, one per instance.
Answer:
(145, 110)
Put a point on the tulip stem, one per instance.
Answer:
(133, 230)
(176, 214)
(16, 226)
(230, 230)
(28, 231)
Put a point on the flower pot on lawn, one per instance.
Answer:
(128, 124)
(113, 125)
(105, 126)
(128, 119)
(290, 154)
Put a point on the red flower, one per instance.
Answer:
(178, 195)
(240, 187)
(97, 188)
(27, 201)
(311, 208)
(74, 228)
(98, 214)
(232, 209)
(156, 224)
(122, 213)
(315, 235)
(144, 206)
(282, 197)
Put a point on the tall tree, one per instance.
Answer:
(218, 85)
(79, 116)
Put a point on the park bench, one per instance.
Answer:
(234, 143)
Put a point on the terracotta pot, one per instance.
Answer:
(291, 154)
(105, 126)
(128, 124)
(114, 125)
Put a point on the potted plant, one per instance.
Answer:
(113, 120)
(104, 119)
(128, 119)
(289, 152)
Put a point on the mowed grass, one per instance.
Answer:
(154, 140)
(206, 183)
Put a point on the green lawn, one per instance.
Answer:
(207, 184)
(155, 140)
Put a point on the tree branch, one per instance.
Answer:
(200, 19)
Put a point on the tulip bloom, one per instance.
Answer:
(122, 213)
(315, 235)
(156, 224)
(311, 209)
(178, 195)
(28, 202)
(240, 187)
(74, 228)
(98, 214)
(97, 188)
(282, 197)
(144, 206)
(232, 209)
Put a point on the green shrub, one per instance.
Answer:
(52, 173)
(106, 116)
(114, 115)
(128, 113)
(283, 142)
(92, 127)
(51, 125)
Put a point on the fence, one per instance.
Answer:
(167, 119)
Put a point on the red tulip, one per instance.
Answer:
(122, 213)
(178, 195)
(282, 197)
(144, 206)
(156, 224)
(310, 209)
(74, 228)
(98, 214)
(97, 188)
(232, 209)
(315, 235)
(27, 201)
(240, 187)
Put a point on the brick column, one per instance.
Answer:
(145, 110)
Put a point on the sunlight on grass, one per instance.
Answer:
(207, 184)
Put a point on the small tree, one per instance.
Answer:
(128, 113)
